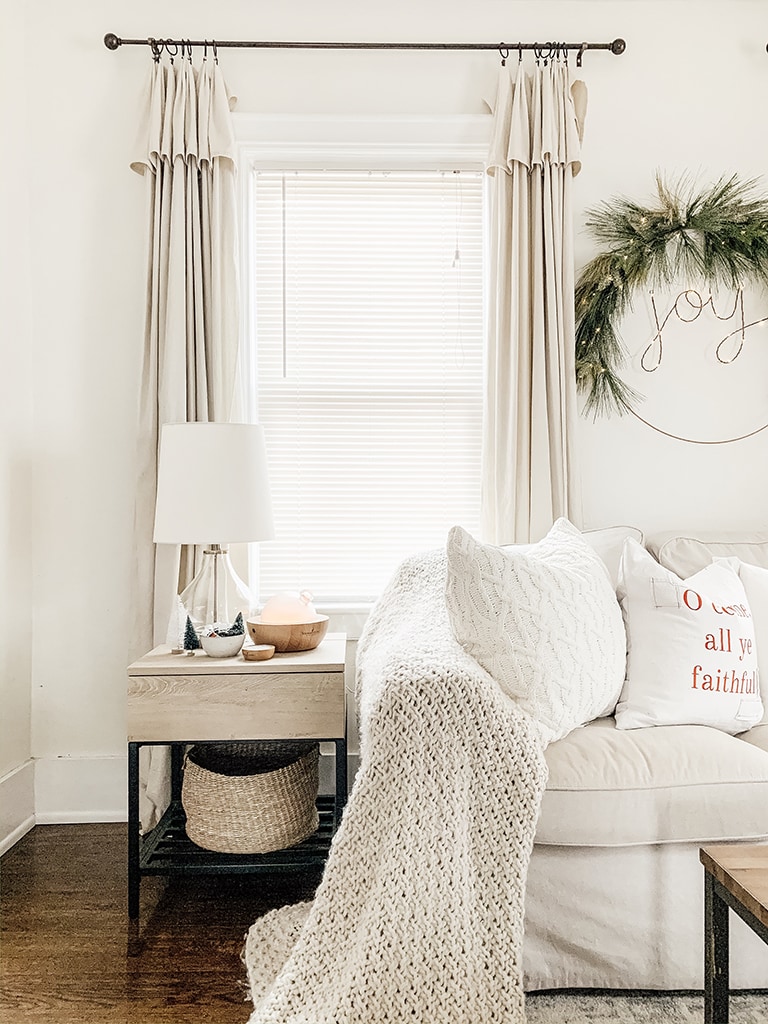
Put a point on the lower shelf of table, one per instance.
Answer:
(167, 850)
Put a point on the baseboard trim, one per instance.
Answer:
(72, 790)
(328, 772)
(17, 803)
(77, 817)
(69, 790)
(18, 833)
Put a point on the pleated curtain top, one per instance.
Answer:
(185, 115)
(537, 119)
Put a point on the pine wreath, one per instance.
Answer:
(718, 237)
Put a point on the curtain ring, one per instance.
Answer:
(156, 50)
(580, 54)
(503, 53)
(215, 51)
(519, 53)
(205, 49)
(168, 43)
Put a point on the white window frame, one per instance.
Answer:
(279, 142)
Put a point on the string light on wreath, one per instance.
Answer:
(694, 303)
(718, 236)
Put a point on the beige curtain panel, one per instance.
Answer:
(529, 476)
(192, 325)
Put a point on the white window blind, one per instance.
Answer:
(366, 290)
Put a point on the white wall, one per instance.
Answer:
(16, 530)
(684, 96)
(682, 102)
(85, 323)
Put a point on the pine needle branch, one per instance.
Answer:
(718, 236)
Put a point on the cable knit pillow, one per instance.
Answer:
(543, 621)
(692, 655)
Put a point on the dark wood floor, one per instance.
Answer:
(64, 956)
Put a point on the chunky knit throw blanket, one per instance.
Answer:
(419, 914)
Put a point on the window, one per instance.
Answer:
(365, 290)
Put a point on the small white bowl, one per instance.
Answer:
(222, 646)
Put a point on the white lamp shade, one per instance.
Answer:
(212, 484)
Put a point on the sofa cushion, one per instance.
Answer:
(543, 621)
(691, 651)
(671, 784)
(758, 736)
(685, 554)
(609, 544)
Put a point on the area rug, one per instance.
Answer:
(645, 1008)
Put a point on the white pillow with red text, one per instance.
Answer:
(755, 580)
(691, 649)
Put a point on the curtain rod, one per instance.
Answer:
(617, 46)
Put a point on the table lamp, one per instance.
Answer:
(213, 489)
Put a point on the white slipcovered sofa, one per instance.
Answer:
(614, 895)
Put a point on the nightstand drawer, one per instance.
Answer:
(287, 705)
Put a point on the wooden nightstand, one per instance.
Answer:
(179, 699)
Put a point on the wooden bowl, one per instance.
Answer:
(262, 652)
(289, 636)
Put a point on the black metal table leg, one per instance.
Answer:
(134, 877)
(341, 780)
(716, 980)
(177, 765)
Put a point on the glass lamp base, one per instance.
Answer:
(217, 593)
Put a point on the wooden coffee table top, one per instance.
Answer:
(742, 869)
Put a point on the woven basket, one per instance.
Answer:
(244, 799)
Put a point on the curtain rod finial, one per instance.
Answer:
(111, 41)
(618, 46)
